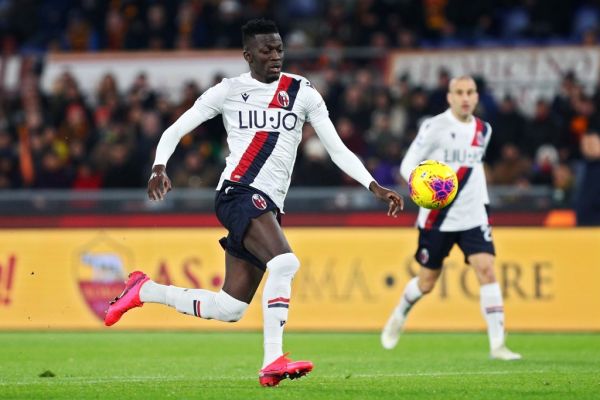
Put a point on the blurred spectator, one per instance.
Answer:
(122, 171)
(509, 127)
(546, 161)
(543, 129)
(511, 169)
(315, 168)
(196, 172)
(587, 205)
(437, 98)
(563, 184)
(53, 172)
(9, 172)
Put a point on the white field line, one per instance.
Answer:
(134, 379)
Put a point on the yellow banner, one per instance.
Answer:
(350, 279)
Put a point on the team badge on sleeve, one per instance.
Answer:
(259, 202)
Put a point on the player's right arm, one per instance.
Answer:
(419, 149)
(207, 106)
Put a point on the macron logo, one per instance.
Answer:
(245, 96)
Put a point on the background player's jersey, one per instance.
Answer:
(264, 127)
(462, 146)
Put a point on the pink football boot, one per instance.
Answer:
(130, 298)
(281, 369)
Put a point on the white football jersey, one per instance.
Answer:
(462, 146)
(264, 127)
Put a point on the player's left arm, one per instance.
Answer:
(348, 162)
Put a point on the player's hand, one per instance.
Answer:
(395, 201)
(159, 184)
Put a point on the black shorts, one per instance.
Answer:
(236, 205)
(434, 245)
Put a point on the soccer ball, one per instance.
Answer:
(433, 184)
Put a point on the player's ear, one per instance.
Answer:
(247, 56)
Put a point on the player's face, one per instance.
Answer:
(264, 54)
(463, 97)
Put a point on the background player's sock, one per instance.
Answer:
(275, 303)
(411, 295)
(492, 308)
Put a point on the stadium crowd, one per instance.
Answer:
(91, 25)
(68, 139)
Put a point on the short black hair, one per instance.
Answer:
(257, 26)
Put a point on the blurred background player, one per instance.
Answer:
(263, 112)
(459, 139)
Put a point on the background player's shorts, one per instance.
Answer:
(434, 245)
(236, 205)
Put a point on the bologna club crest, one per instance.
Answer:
(259, 202)
(424, 256)
(283, 99)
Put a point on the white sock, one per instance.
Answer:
(492, 308)
(197, 302)
(152, 292)
(411, 295)
(275, 303)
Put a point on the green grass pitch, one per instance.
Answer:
(188, 365)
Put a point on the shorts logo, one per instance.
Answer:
(283, 99)
(259, 202)
(424, 256)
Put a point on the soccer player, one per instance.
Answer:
(263, 112)
(459, 139)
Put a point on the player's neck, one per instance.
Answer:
(465, 119)
(262, 79)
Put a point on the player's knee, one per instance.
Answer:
(230, 309)
(235, 314)
(284, 265)
(485, 272)
(426, 285)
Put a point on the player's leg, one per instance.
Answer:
(266, 241)
(434, 247)
(418, 286)
(477, 245)
(228, 304)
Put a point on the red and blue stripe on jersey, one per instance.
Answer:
(263, 143)
(288, 85)
(481, 131)
(254, 157)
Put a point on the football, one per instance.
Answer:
(433, 184)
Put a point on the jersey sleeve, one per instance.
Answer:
(346, 160)
(419, 149)
(207, 106)
(210, 103)
(488, 137)
(316, 110)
